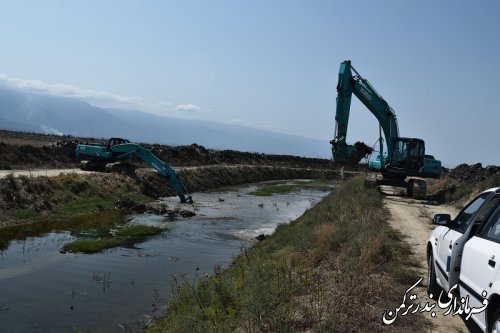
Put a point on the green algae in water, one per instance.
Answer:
(121, 237)
(278, 189)
(91, 245)
(138, 230)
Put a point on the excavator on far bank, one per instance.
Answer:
(108, 158)
(405, 163)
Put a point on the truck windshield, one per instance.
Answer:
(462, 221)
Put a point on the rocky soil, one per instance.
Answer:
(473, 173)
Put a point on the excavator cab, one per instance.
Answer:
(116, 141)
(408, 153)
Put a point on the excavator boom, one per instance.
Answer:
(349, 84)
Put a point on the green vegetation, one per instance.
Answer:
(25, 199)
(124, 236)
(26, 214)
(335, 268)
(91, 245)
(278, 189)
(138, 230)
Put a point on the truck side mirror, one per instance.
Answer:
(442, 219)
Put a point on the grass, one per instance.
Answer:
(3, 244)
(124, 236)
(26, 214)
(36, 199)
(275, 189)
(335, 268)
(138, 230)
(91, 245)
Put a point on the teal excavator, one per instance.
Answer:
(107, 158)
(404, 162)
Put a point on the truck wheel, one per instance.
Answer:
(432, 286)
(494, 322)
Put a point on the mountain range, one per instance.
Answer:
(34, 112)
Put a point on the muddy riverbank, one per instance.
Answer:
(26, 199)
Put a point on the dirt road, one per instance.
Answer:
(413, 219)
(40, 172)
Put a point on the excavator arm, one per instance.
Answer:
(349, 84)
(164, 169)
(120, 149)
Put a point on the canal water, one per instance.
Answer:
(44, 290)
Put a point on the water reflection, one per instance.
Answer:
(43, 290)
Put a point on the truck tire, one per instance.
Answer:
(432, 286)
(494, 322)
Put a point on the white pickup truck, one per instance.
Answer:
(463, 256)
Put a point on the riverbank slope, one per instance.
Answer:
(335, 269)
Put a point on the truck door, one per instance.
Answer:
(451, 242)
(481, 260)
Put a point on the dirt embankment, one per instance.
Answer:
(25, 150)
(26, 199)
(460, 184)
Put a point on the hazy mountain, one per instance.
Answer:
(24, 111)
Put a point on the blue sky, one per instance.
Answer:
(271, 64)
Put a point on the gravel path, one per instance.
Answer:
(40, 172)
(413, 219)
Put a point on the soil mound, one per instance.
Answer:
(474, 173)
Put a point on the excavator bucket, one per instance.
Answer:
(188, 200)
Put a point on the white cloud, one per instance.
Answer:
(164, 103)
(97, 98)
(188, 107)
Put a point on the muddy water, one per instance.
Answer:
(43, 290)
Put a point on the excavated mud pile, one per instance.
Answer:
(460, 183)
(198, 155)
(473, 173)
(13, 156)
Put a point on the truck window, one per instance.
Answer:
(483, 213)
(492, 230)
(462, 221)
